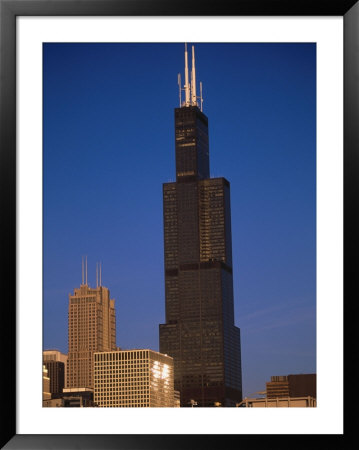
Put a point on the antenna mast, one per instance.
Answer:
(193, 76)
(189, 87)
(186, 85)
(180, 89)
(200, 90)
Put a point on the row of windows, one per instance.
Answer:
(123, 390)
(122, 405)
(139, 375)
(122, 399)
(123, 363)
(123, 356)
(122, 367)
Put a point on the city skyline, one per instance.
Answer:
(108, 120)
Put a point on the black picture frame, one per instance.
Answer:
(9, 10)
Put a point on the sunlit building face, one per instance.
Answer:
(133, 378)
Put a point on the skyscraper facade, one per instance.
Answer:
(92, 328)
(199, 332)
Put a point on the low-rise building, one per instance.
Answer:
(279, 402)
(299, 385)
(133, 378)
(177, 399)
(46, 394)
(56, 355)
(56, 373)
(84, 396)
(65, 402)
(53, 403)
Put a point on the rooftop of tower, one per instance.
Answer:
(189, 87)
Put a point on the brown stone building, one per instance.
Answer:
(92, 328)
(278, 387)
(301, 385)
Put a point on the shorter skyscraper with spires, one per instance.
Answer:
(91, 328)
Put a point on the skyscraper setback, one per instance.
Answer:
(92, 328)
(199, 332)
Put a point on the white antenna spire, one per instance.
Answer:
(97, 275)
(193, 76)
(100, 274)
(82, 266)
(180, 89)
(200, 89)
(186, 85)
(86, 269)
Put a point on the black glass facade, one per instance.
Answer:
(199, 332)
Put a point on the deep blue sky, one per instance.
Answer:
(109, 146)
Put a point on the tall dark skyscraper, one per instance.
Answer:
(199, 332)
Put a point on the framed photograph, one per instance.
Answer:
(87, 102)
